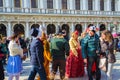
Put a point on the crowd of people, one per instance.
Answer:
(70, 57)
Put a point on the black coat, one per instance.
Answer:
(36, 53)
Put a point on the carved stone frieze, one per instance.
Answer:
(37, 18)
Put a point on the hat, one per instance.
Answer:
(34, 32)
(92, 28)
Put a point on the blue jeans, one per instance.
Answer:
(35, 70)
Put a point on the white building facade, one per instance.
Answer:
(22, 15)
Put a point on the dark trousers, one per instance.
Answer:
(1, 71)
(91, 60)
(61, 65)
(41, 72)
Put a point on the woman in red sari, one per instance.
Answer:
(74, 63)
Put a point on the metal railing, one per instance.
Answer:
(58, 11)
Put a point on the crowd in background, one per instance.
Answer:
(69, 56)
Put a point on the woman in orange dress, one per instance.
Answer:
(47, 55)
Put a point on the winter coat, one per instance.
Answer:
(59, 47)
(90, 44)
(107, 49)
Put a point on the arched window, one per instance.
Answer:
(19, 28)
(3, 30)
(90, 4)
(113, 5)
(17, 3)
(78, 27)
(1, 3)
(34, 3)
(102, 27)
(35, 26)
(77, 4)
(51, 29)
(102, 5)
(64, 4)
(50, 4)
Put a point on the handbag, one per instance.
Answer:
(111, 58)
(102, 64)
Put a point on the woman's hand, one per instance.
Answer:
(85, 60)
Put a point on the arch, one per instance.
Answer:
(65, 27)
(18, 28)
(102, 27)
(3, 30)
(79, 28)
(51, 29)
(35, 26)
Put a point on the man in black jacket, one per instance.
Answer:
(36, 56)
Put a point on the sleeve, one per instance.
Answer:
(98, 46)
(51, 47)
(72, 47)
(67, 48)
(110, 45)
(84, 48)
(39, 52)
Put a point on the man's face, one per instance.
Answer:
(91, 33)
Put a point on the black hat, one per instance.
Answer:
(34, 32)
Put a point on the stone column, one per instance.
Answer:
(8, 4)
(96, 5)
(117, 2)
(58, 27)
(27, 32)
(84, 4)
(44, 26)
(107, 5)
(41, 4)
(9, 29)
(98, 26)
(71, 4)
(57, 5)
(72, 27)
(26, 4)
(85, 26)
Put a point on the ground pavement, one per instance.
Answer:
(27, 67)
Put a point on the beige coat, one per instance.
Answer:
(15, 49)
